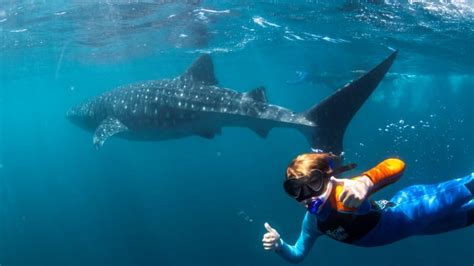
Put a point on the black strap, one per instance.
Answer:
(344, 168)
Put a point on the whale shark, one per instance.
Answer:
(195, 104)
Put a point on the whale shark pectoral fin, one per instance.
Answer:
(107, 128)
(258, 94)
(262, 132)
(206, 134)
(202, 70)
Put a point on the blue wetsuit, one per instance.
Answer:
(415, 210)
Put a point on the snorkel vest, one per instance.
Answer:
(348, 227)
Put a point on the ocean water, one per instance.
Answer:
(195, 201)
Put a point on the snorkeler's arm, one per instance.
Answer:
(346, 196)
(298, 252)
(385, 173)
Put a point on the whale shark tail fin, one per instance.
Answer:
(333, 114)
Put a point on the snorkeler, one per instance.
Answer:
(342, 210)
(334, 80)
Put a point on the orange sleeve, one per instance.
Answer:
(385, 173)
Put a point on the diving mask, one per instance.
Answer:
(312, 185)
(307, 186)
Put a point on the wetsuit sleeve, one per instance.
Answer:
(298, 252)
(385, 173)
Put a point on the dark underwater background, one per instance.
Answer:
(195, 201)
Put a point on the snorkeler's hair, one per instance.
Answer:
(305, 163)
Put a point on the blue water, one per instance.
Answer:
(195, 201)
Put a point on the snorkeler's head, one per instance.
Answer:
(305, 163)
(307, 175)
(308, 178)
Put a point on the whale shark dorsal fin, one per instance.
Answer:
(107, 128)
(257, 94)
(202, 70)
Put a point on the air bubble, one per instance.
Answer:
(245, 216)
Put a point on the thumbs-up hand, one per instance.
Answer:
(354, 190)
(271, 239)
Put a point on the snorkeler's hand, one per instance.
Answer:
(271, 239)
(354, 191)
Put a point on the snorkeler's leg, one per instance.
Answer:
(424, 209)
(437, 208)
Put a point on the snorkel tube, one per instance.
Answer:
(317, 202)
(313, 206)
